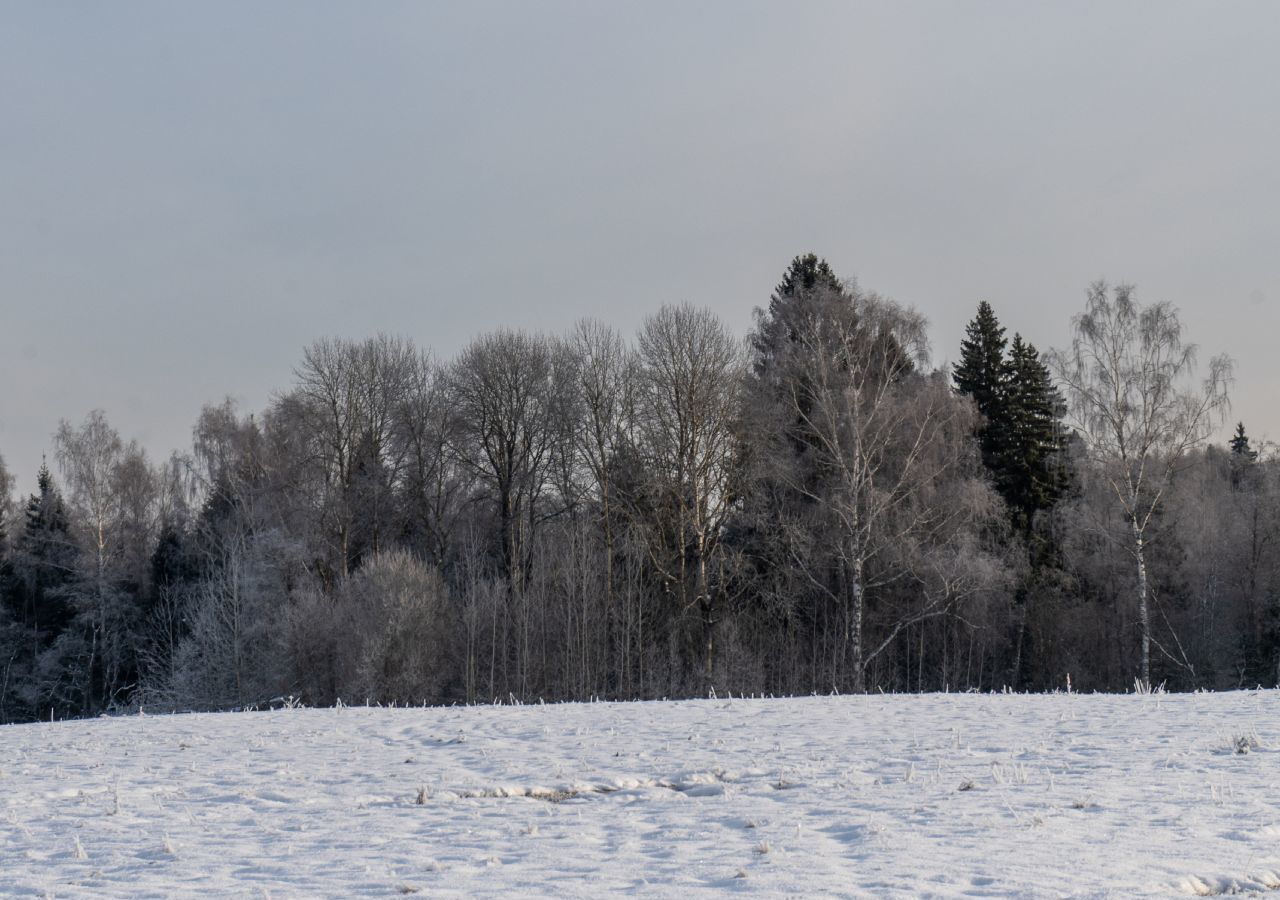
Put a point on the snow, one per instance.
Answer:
(912, 796)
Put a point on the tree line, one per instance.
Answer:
(813, 508)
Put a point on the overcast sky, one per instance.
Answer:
(189, 193)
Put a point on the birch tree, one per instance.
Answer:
(90, 456)
(852, 436)
(1129, 382)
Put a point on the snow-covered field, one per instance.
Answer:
(936, 795)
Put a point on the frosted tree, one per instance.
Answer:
(1128, 379)
(865, 440)
(112, 494)
(397, 645)
(235, 652)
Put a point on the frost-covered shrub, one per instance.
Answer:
(395, 609)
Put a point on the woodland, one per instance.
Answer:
(811, 508)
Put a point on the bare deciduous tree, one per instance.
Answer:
(690, 384)
(344, 406)
(435, 482)
(505, 388)
(606, 389)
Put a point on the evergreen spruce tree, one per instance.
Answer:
(1240, 445)
(1242, 458)
(1031, 473)
(808, 289)
(35, 580)
(43, 563)
(1021, 434)
(983, 375)
(1022, 440)
(805, 274)
(806, 278)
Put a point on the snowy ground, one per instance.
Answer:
(937, 795)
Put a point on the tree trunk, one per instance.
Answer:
(507, 525)
(708, 613)
(1016, 675)
(1144, 612)
(853, 634)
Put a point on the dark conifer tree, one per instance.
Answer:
(35, 592)
(1240, 445)
(983, 374)
(1021, 434)
(806, 277)
(172, 562)
(1242, 458)
(1031, 466)
(43, 563)
(804, 274)
(808, 289)
(1021, 439)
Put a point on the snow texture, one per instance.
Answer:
(910, 796)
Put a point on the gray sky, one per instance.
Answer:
(191, 192)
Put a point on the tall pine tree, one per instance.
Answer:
(983, 375)
(1021, 434)
(1032, 473)
(1021, 438)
